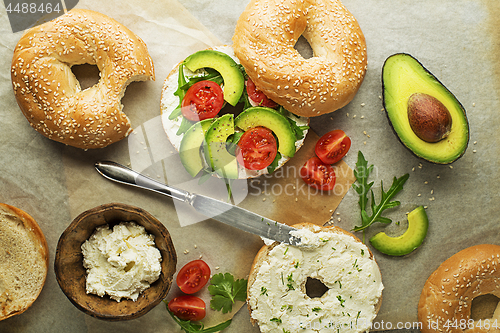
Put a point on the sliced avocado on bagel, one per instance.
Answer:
(202, 148)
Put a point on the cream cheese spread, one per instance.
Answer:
(122, 262)
(278, 297)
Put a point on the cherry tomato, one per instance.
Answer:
(318, 175)
(188, 307)
(203, 100)
(257, 148)
(193, 276)
(258, 96)
(332, 146)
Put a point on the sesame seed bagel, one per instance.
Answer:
(446, 299)
(49, 94)
(277, 296)
(264, 41)
(24, 261)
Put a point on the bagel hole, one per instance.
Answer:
(483, 307)
(304, 48)
(87, 75)
(315, 288)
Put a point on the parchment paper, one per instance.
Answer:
(457, 40)
(171, 34)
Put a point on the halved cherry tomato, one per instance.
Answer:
(203, 100)
(332, 146)
(258, 96)
(188, 307)
(193, 276)
(257, 148)
(318, 174)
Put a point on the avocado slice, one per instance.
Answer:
(404, 76)
(271, 119)
(189, 149)
(216, 154)
(407, 242)
(234, 82)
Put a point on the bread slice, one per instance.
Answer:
(263, 254)
(24, 261)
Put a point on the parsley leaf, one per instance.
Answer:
(197, 327)
(225, 290)
(362, 172)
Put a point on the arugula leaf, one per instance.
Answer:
(184, 126)
(181, 81)
(362, 172)
(225, 290)
(197, 327)
(274, 164)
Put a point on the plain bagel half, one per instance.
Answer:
(50, 96)
(277, 297)
(24, 260)
(264, 41)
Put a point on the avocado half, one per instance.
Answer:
(403, 76)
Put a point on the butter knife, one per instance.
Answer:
(218, 210)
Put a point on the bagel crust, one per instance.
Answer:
(446, 299)
(24, 261)
(277, 296)
(264, 41)
(49, 94)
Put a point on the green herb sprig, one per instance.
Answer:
(225, 290)
(362, 172)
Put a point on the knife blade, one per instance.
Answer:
(218, 210)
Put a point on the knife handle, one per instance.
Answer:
(121, 174)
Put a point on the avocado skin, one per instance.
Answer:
(414, 236)
(447, 150)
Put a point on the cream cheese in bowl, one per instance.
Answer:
(121, 262)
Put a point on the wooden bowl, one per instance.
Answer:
(71, 275)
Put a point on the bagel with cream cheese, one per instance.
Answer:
(24, 261)
(264, 40)
(277, 297)
(178, 128)
(49, 94)
(446, 299)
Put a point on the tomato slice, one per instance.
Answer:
(193, 276)
(203, 100)
(188, 307)
(332, 146)
(318, 175)
(257, 148)
(258, 97)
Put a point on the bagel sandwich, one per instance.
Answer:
(241, 134)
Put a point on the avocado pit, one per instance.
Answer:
(429, 119)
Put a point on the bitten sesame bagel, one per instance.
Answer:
(446, 299)
(277, 295)
(24, 260)
(264, 41)
(49, 94)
